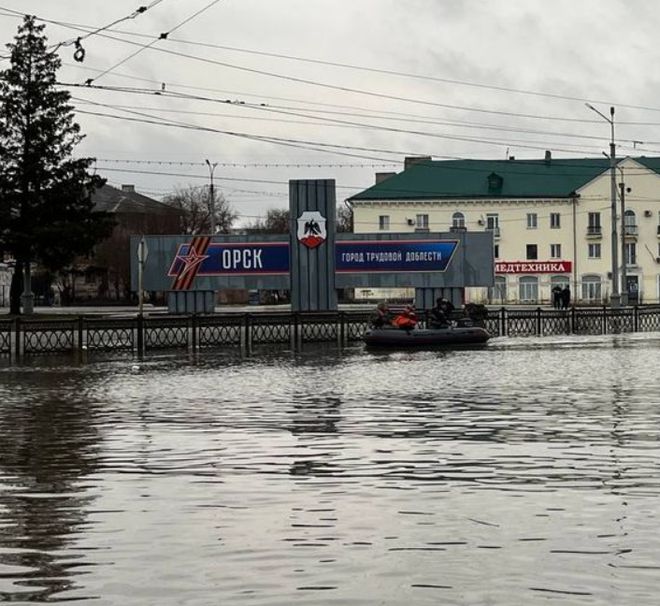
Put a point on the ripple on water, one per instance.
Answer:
(524, 472)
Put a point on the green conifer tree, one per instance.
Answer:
(46, 212)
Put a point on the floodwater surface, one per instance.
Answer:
(525, 472)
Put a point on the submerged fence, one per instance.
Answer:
(22, 337)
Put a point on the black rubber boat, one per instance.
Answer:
(453, 335)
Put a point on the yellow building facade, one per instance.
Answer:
(550, 219)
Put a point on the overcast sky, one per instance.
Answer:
(446, 78)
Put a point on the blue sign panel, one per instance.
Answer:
(368, 256)
(229, 259)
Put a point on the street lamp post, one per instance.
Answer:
(624, 271)
(212, 196)
(614, 297)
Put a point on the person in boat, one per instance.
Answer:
(407, 319)
(381, 316)
(446, 306)
(437, 316)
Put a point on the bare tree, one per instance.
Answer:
(344, 219)
(276, 221)
(194, 202)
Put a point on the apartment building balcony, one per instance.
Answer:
(495, 231)
(594, 231)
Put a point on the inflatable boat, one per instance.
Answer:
(452, 335)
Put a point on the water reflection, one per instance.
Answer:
(336, 476)
(48, 446)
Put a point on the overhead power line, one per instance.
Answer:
(194, 176)
(484, 140)
(76, 41)
(248, 164)
(313, 145)
(314, 82)
(295, 111)
(162, 36)
(398, 73)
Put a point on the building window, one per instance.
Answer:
(532, 220)
(458, 220)
(422, 222)
(555, 220)
(384, 222)
(631, 253)
(493, 224)
(630, 223)
(591, 288)
(529, 289)
(594, 224)
(594, 251)
(532, 252)
(497, 293)
(555, 251)
(496, 251)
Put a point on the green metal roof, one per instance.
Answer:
(556, 178)
(650, 163)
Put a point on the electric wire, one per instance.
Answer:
(349, 66)
(352, 124)
(309, 144)
(320, 84)
(136, 13)
(383, 114)
(566, 147)
(162, 36)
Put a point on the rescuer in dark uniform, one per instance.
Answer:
(381, 317)
(438, 314)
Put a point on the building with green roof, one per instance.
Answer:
(550, 218)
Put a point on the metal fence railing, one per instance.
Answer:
(27, 337)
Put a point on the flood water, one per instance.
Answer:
(526, 472)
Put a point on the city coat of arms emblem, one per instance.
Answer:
(311, 229)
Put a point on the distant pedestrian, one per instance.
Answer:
(566, 297)
(556, 296)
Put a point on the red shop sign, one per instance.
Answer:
(533, 267)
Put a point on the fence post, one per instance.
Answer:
(636, 318)
(193, 328)
(140, 335)
(80, 333)
(503, 331)
(539, 332)
(18, 337)
(572, 325)
(604, 323)
(248, 333)
(297, 331)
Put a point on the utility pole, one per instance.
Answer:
(212, 196)
(142, 252)
(624, 271)
(614, 297)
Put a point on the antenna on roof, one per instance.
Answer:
(506, 155)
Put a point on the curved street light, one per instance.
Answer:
(614, 297)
